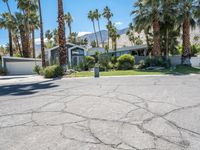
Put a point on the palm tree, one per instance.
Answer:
(9, 31)
(34, 24)
(97, 16)
(186, 17)
(41, 35)
(61, 34)
(107, 14)
(91, 16)
(148, 12)
(68, 18)
(55, 37)
(114, 36)
(130, 33)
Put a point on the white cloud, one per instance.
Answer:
(118, 23)
(37, 41)
(83, 33)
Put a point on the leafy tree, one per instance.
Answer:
(108, 14)
(91, 16)
(97, 16)
(69, 19)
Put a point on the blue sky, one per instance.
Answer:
(79, 9)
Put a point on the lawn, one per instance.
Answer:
(179, 70)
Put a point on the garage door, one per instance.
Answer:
(20, 68)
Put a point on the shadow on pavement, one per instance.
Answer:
(26, 88)
(9, 78)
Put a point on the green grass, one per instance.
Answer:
(180, 70)
(186, 70)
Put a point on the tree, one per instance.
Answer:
(107, 14)
(49, 36)
(97, 16)
(41, 35)
(27, 7)
(9, 31)
(61, 35)
(91, 16)
(114, 36)
(69, 19)
(34, 24)
(186, 17)
(130, 33)
(55, 37)
(149, 12)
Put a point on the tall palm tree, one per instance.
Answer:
(69, 19)
(114, 36)
(91, 16)
(41, 35)
(61, 34)
(97, 16)
(149, 12)
(107, 14)
(186, 17)
(130, 33)
(34, 24)
(9, 31)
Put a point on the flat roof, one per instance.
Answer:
(128, 48)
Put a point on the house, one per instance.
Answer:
(138, 50)
(75, 54)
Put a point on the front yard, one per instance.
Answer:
(179, 70)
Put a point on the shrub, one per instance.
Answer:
(37, 69)
(53, 71)
(125, 62)
(104, 61)
(157, 62)
(89, 62)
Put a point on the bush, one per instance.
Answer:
(157, 62)
(104, 62)
(37, 69)
(125, 62)
(89, 62)
(53, 71)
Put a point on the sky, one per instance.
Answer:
(79, 10)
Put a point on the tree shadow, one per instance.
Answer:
(26, 89)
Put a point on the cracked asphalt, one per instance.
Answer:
(118, 113)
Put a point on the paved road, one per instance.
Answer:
(119, 113)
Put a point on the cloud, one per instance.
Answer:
(83, 33)
(118, 23)
(37, 41)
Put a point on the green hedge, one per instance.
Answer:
(125, 62)
(53, 71)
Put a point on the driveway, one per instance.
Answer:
(118, 113)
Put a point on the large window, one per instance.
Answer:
(77, 56)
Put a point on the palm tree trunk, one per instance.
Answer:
(33, 42)
(10, 43)
(186, 42)
(61, 33)
(95, 34)
(167, 44)
(70, 32)
(108, 33)
(156, 38)
(147, 40)
(100, 33)
(24, 43)
(41, 35)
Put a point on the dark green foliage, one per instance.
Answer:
(87, 64)
(37, 69)
(104, 61)
(157, 62)
(195, 49)
(125, 62)
(53, 71)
